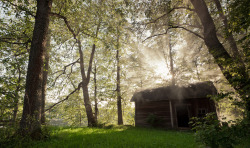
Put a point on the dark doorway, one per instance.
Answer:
(182, 115)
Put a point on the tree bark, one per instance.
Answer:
(91, 118)
(118, 87)
(30, 123)
(95, 94)
(233, 70)
(45, 77)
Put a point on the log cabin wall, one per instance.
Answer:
(159, 108)
(162, 110)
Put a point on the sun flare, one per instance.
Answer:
(161, 70)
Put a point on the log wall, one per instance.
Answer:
(162, 110)
(158, 108)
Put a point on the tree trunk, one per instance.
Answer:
(86, 79)
(30, 123)
(16, 95)
(171, 60)
(80, 119)
(95, 95)
(197, 70)
(45, 77)
(15, 106)
(85, 82)
(229, 35)
(91, 118)
(233, 70)
(118, 87)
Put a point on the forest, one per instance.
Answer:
(69, 70)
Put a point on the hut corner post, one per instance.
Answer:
(171, 113)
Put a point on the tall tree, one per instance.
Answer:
(85, 82)
(95, 92)
(31, 118)
(233, 69)
(45, 77)
(84, 75)
(171, 61)
(118, 83)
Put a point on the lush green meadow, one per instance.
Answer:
(111, 137)
(116, 137)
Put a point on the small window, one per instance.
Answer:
(202, 112)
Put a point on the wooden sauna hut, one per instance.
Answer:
(173, 106)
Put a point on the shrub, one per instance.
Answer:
(154, 120)
(211, 132)
(10, 136)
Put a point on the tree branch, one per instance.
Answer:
(64, 70)
(66, 66)
(196, 34)
(156, 35)
(18, 43)
(92, 53)
(77, 89)
(155, 20)
(22, 8)
(90, 62)
(187, 8)
(66, 22)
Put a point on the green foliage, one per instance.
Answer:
(11, 138)
(239, 22)
(15, 33)
(211, 132)
(109, 18)
(239, 15)
(154, 120)
(6, 132)
(71, 113)
(228, 95)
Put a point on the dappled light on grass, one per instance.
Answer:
(120, 136)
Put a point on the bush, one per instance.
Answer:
(11, 138)
(211, 132)
(154, 120)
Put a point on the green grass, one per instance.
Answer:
(117, 137)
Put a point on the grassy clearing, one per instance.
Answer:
(117, 137)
